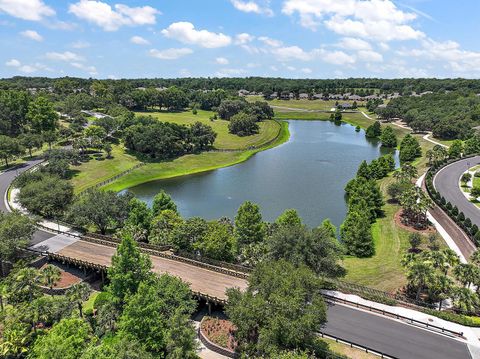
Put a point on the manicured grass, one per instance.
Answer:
(344, 349)
(190, 164)
(97, 170)
(306, 104)
(88, 304)
(224, 140)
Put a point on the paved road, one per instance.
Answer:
(391, 337)
(379, 333)
(446, 182)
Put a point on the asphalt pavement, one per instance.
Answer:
(446, 182)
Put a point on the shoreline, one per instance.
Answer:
(282, 137)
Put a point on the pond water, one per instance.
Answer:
(307, 173)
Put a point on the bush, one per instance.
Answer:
(449, 206)
(455, 318)
(455, 211)
(467, 222)
(101, 299)
(461, 217)
(443, 201)
(474, 230)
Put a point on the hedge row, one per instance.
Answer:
(450, 209)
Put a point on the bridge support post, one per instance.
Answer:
(209, 307)
(103, 277)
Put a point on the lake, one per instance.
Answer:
(307, 173)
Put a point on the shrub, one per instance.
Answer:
(455, 211)
(449, 206)
(454, 317)
(461, 217)
(467, 222)
(474, 229)
(443, 201)
(243, 124)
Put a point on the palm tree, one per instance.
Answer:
(465, 300)
(451, 258)
(77, 294)
(466, 273)
(438, 260)
(50, 276)
(408, 258)
(442, 288)
(475, 258)
(430, 155)
(420, 273)
(26, 282)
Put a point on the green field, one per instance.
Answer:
(225, 140)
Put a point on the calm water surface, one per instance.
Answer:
(307, 173)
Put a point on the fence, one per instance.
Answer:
(111, 179)
(393, 315)
(358, 346)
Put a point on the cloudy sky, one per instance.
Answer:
(284, 38)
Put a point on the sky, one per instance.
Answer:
(238, 38)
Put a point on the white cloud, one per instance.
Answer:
(291, 68)
(373, 19)
(170, 54)
(351, 43)
(90, 69)
(251, 6)
(13, 63)
(243, 38)
(138, 40)
(222, 61)
(292, 53)
(335, 57)
(63, 56)
(31, 34)
(230, 72)
(111, 19)
(306, 70)
(34, 10)
(185, 32)
(80, 44)
(370, 56)
(270, 42)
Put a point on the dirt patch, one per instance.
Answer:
(398, 222)
(67, 277)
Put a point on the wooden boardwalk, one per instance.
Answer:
(200, 279)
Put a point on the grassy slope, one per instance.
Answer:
(190, 164)
(95, 171)
(344, 349)
(224, 140)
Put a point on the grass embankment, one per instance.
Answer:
(344, 349)
(224, 140)
(95, 171)
(191, 164)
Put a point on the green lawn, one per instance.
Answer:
(306, 104)
(99, 169)
(224, 140)
(349, 352)
(190, 164)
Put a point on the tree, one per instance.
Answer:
(465, 300)
(129, 268)
(475, 193)
(161, 202)
(47, 197)
(441, 288)
(163, 226)
(388, 137)
(415, 204)
(218, 243)
(68, 339)
(243, 124)
(103, 209)
(139, 215)
(249, 227)
(159, 306)
(355, 233)
(282, 309)
(42, 115)
(466, 177)
(118, 348)
(51, 275)
(10, 148)
(419, 275)
(50, 137)
(16, 231)
(202, 136)
(466, 273)
(409, 149)
(415, 239)
(30, 141)
(77, 294)
(289, 218)
(25, 285)
(317, 249)
(189, 233)
(374, 130)
(455, 150)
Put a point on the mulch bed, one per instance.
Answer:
(398, 222)
(67, 277)
(220, 332)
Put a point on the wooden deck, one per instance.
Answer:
(200, 279)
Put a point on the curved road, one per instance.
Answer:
(382, 334)
(446, 181)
